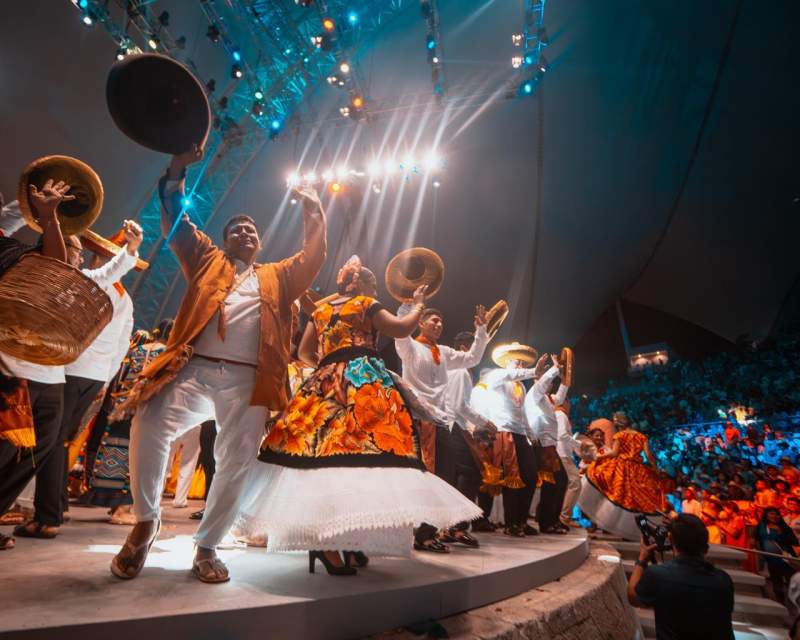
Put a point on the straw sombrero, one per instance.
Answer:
(513, 351)
(412, 268)
(495, 317)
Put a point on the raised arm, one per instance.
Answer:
(401, 326)
(496, 377)
(114, 270)
(468, 359)
(44, 203)
(188, 243)
(298, 272)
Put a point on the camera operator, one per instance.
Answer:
(692, 599)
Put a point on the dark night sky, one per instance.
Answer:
(623, 104)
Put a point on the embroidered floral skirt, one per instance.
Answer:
(343, 468)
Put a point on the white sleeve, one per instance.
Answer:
(496, 377)
(113, 270)
(405, 349)
(466, 359)
(459, 395)
(543, 384)
(11, 219)
(124, 346)
(560, 395)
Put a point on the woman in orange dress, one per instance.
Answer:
(619, 485)
(343, 468)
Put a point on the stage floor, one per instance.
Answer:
(65, 584)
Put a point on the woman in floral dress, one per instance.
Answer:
(343, 469)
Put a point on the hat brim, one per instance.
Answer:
(96, 243)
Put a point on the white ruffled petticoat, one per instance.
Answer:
(369, 509)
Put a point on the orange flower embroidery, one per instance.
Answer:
(294, 433)
(381, 413)
(344, 436)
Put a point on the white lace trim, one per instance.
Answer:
(301, 508)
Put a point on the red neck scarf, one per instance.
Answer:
(120, 289)
(437, 355)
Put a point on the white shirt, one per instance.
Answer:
(566, 445)
(101, 359)
(502, 399)
(539, 411)
(242, 323)
(459, 390)
(11, 219)
(428, 379)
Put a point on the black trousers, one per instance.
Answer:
(456, 466)
(17, 467)
(517, 502)
(50, 500)
(551, 499)
(208, 435)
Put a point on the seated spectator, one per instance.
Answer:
(692, 599)
(774, 536)
(690, 502)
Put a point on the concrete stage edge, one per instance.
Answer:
(63, 588)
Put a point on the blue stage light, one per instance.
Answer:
(259, 94)
(352, 17)
(527, 87)
(237, 55)
(83, 4)
(275, 124)
(431, 42)
(186, 202)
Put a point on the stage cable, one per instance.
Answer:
(726, 49)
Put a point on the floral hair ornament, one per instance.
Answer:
(349, 274)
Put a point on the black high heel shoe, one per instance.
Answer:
(332, 569)
(356, 558)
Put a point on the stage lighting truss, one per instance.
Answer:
(528, 57)
(433, 46)
(376, 173)
(278, 61)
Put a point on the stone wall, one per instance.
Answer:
(588, 604)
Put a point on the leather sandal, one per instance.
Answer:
(467, 539)
(120, 571)
(38, 530)
(432, 545)
(7, 542)
(209, 575)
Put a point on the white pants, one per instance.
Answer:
(573, 489)
(190, 452)
(203, 390)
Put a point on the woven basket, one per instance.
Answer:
(49, 311)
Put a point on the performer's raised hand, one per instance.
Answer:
(183, 160)
(419, 294)
(308, 195)
(480, 316)
(541, 366)
(47, 200)
(133, 235)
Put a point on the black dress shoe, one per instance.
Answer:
(197, 515)
(528, 530)
(483, 526)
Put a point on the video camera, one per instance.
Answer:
(654, 533)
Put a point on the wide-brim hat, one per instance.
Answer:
(495, 317)
(412, 268)
(503, 353)
(158, 103)
(108, 247)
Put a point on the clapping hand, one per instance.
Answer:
(46, 201)
(133, 235)
(541, 366)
